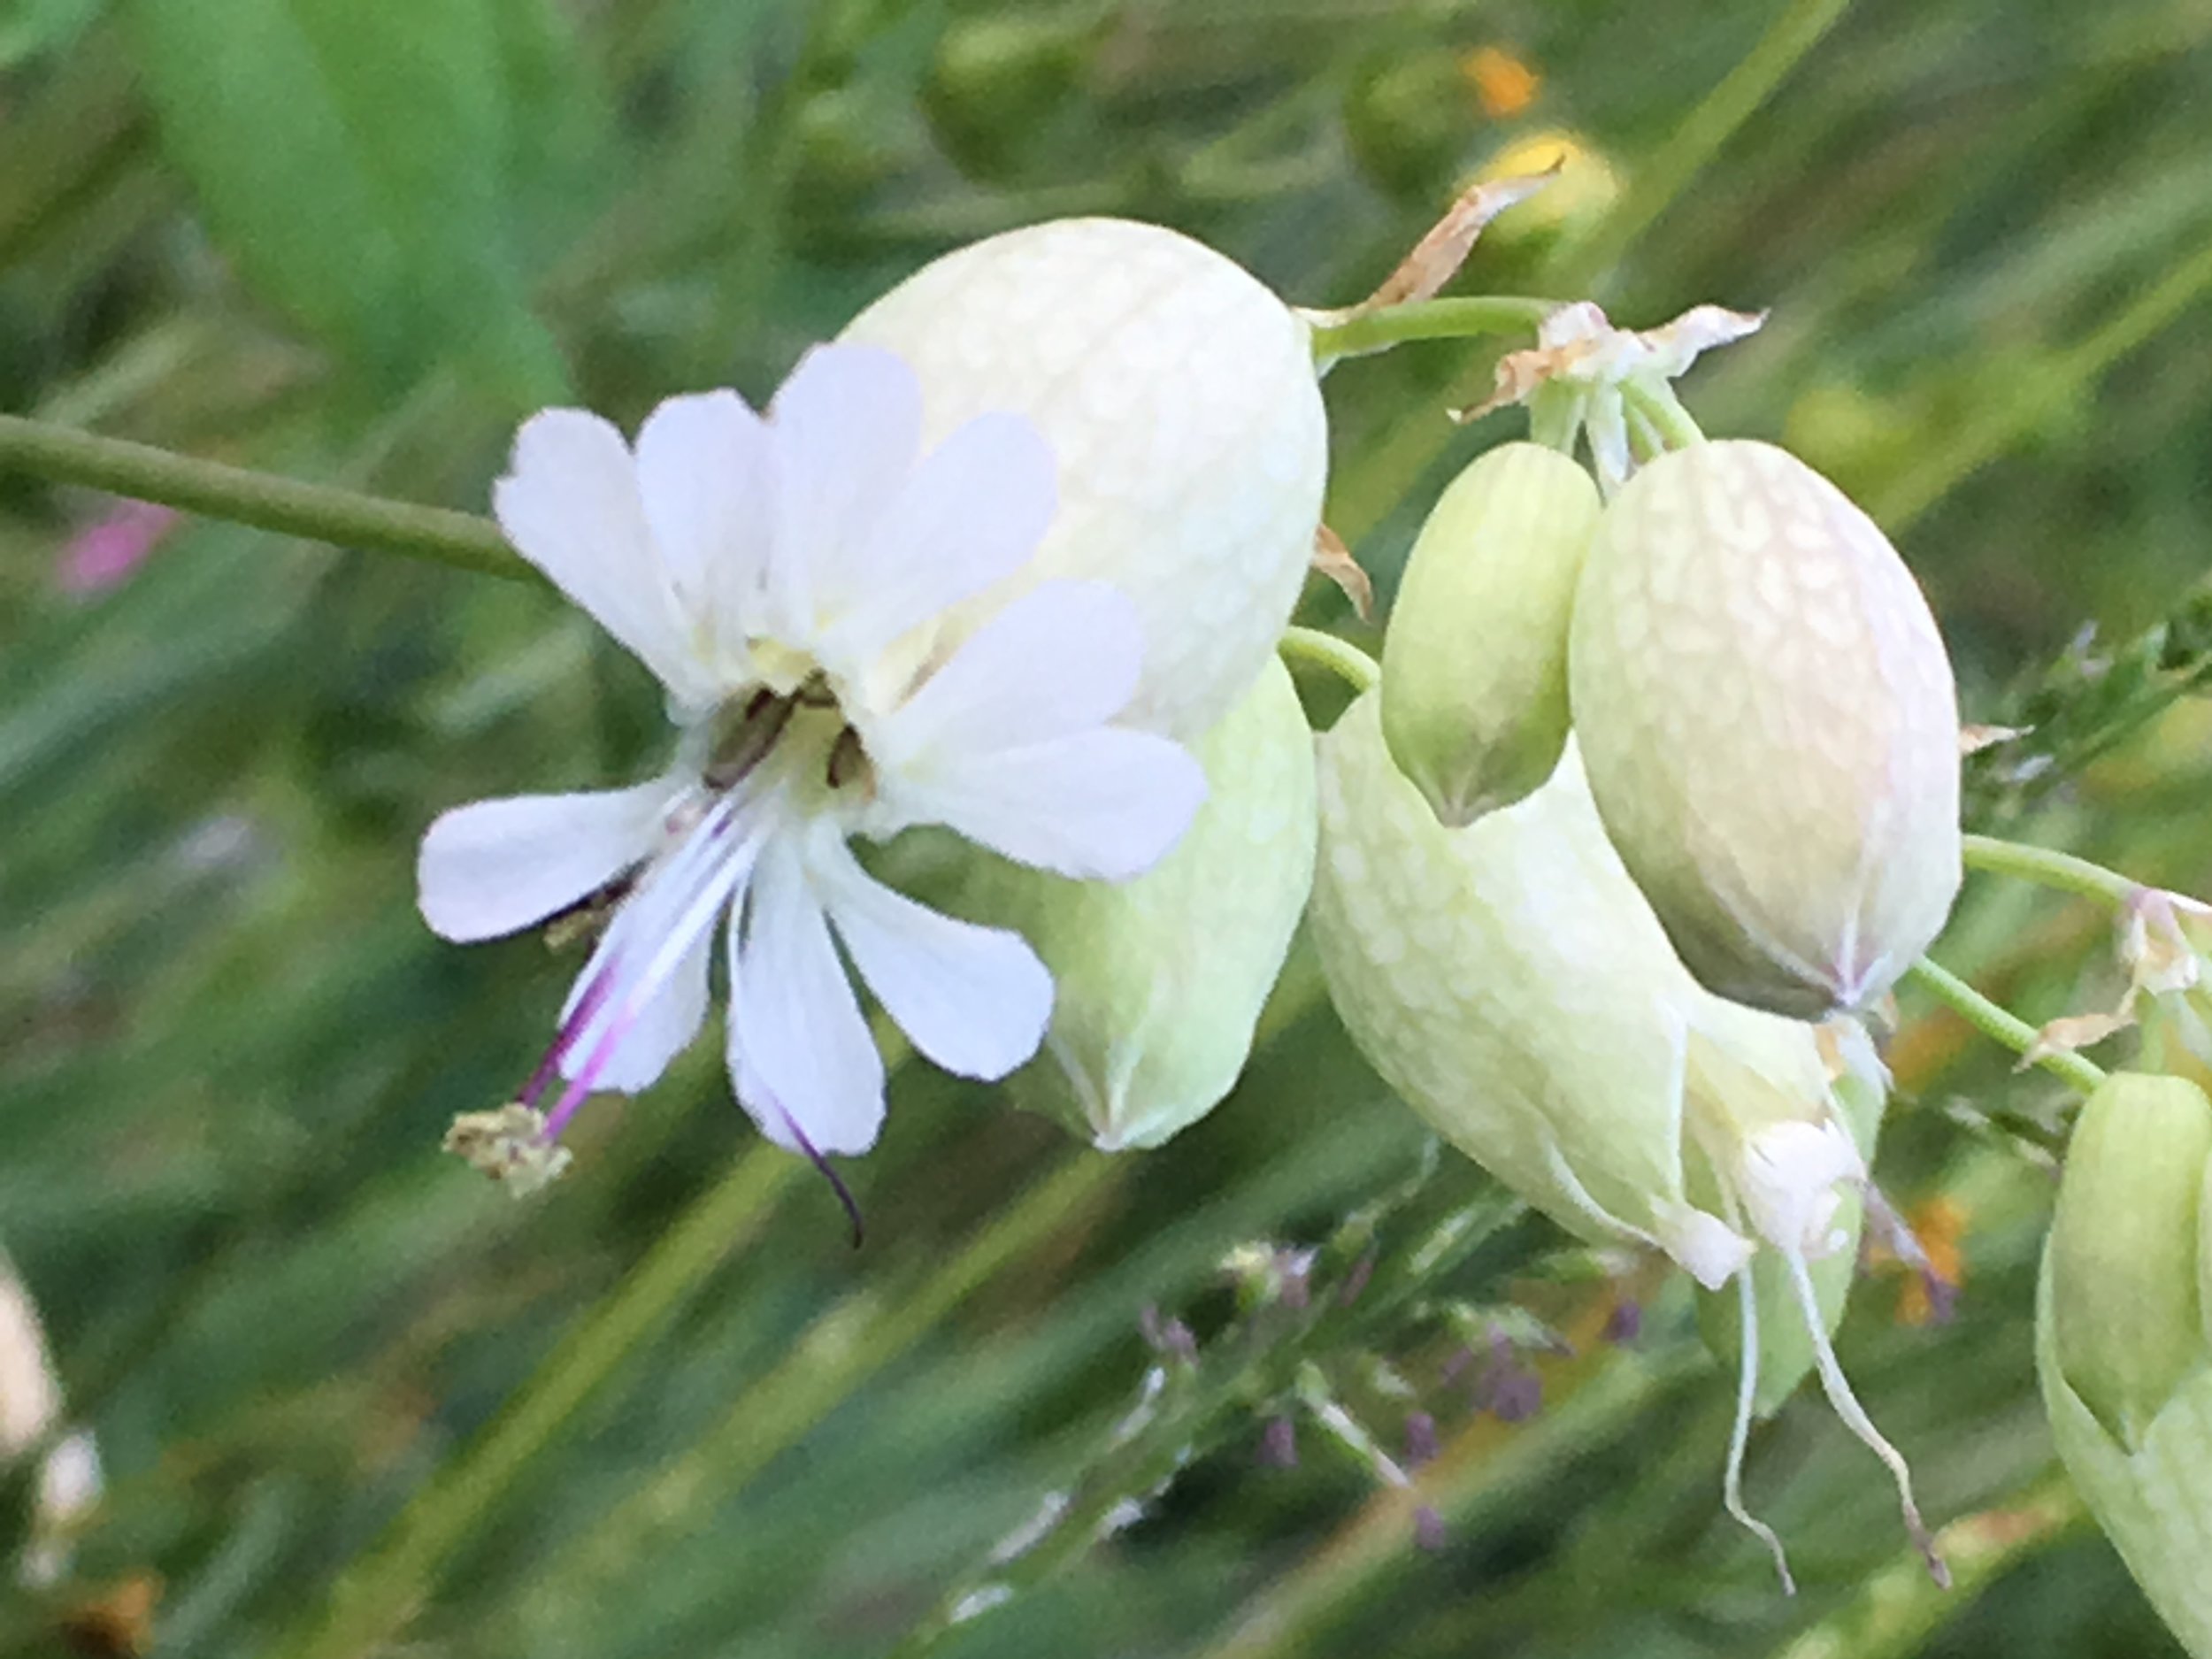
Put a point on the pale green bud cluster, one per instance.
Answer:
(2123, 1335)
(1474, 690)
(1771, 727)
(1159, 981)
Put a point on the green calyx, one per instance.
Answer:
(1159, 981)
(2122, 1342)
(2128, 1256)
(1474, 700)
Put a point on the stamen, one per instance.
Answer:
(1846, 1405)
(1739, 1434)
(701, 878)
(737, 752)
(822, 1167)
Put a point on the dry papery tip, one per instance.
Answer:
(1437, 258)
(1334, 559)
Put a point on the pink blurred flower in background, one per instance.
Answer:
(104, 554)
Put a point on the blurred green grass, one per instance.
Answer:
(228, 1046)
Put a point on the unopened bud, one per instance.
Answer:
(2123, 1339)
(1474, 688)
(1159, 981)
(1770, 726)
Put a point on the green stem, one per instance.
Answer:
(2000, 1025)
(372, 1601)
(320, 511)
(1340, 657)
(1664, 411)
(838, 1352)
(1361, 332)
(2059, 869)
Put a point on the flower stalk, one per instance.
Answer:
(321, 512)
(2001, 1025)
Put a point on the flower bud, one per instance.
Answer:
(1770, 726)
(1179, 400)
(2123, 1337)
(1509, 981)
(1159, 981)
(1474, 688)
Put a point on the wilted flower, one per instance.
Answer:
(1509, 981)
(1584, 375)
(784, 578)
(2124, 1334)
(1770, 726)
(1474, 686)
(1160, 980)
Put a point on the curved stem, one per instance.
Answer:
(2059, 869)
(1359, 333)
(1340, 657)
(2000, 1025)
(1659, 406)
(319, 511)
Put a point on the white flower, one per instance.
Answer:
(781, 575)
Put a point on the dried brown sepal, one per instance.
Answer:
(510, 1146)
(1974, 739)
(1437, 258)
(1578, 341)
(2075, 1032)
(1332, 559)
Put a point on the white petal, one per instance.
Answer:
(706, 471)
(975, 1000)
(496, 866)
(971, 514)
(660, 1030)
(801, 1054)
(1062, 658)
(1105, 804)
(570, 504)
(847, 425)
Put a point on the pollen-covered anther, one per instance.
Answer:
(511, 1146)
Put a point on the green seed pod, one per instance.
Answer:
(1159, 981)
(1770, 726)
(2123, 1335)
(1474, 688)
(1509, 981)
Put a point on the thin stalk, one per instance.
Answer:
(320, 511)
(1340, 657)
(1465, 318)
(2051, 868)
(2000, 1025)
(373, 1601)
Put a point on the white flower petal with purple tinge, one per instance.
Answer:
(785, 576)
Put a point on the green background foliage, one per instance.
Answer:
(356, 242)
